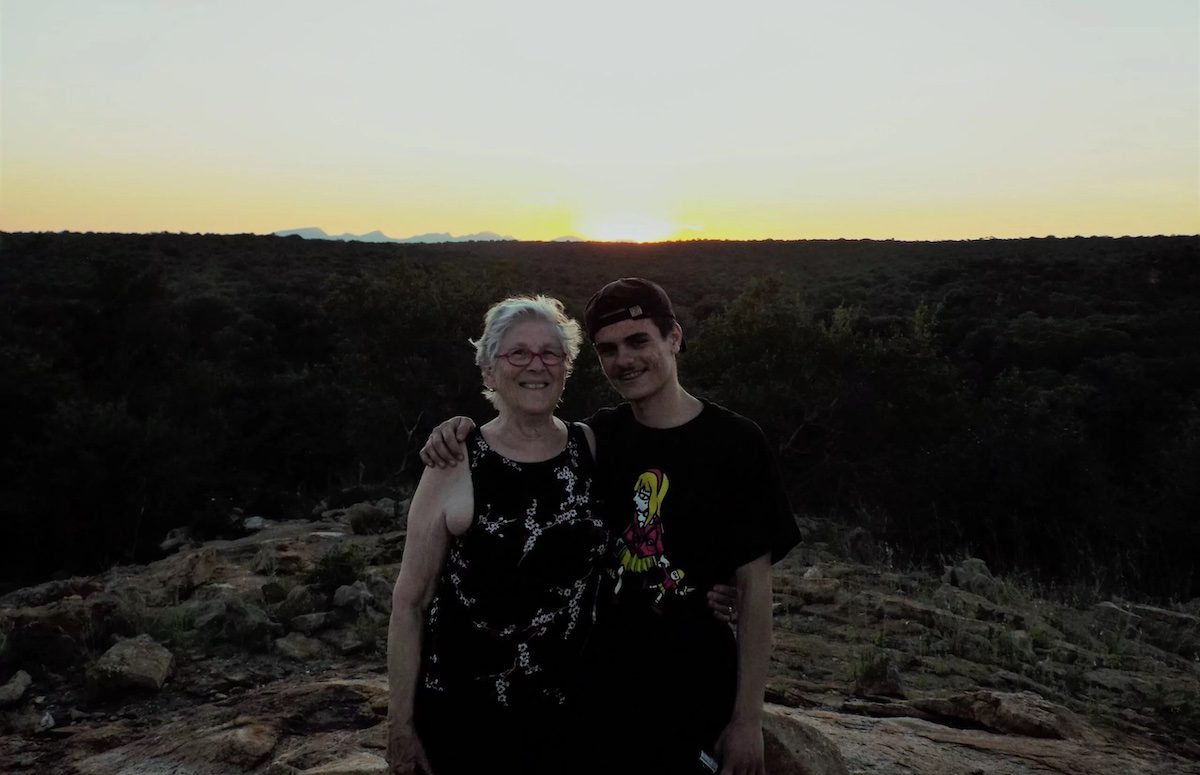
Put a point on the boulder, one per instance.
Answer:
(254, 524)
(133, 664)
(51, 591)
(199, 569)
(381, 586)
(45, 643)
(795, 747)
(354, 597)
(27, 721)
(345, 640)
(311, 623)
(972, 574)
(273, 592)
(238, 622)
(243, 745)
(299, 647)
(12, 692)
(176, 538)
(300, 600)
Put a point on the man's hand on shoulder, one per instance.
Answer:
(445, 444)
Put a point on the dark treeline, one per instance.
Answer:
(1035, 402)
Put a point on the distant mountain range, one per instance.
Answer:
(312, 232)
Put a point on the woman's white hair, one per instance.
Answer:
(503, 315)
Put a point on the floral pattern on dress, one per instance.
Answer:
(531, 520)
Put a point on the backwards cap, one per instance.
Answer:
(630, 298)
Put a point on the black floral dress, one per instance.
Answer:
(514, 607)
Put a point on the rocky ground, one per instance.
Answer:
(265, 654)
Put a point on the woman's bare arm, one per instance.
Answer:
(439, 496)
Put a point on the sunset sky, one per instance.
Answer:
(926, 119)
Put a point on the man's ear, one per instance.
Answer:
(676, 337)
(487, 373)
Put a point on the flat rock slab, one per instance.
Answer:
(891, 745)
(354, 764)
(234, 747)
(221, 739)
(1020, 713)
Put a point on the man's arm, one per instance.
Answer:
(740, 747)
(444, 447)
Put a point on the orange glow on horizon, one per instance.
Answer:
(627, 227)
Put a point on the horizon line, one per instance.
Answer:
(570, 239)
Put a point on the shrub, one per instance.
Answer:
(874, 673)
(173, 624)
(342, 565)
(369, 519)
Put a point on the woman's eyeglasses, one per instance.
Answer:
(523, 357)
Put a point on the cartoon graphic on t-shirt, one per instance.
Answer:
(642, 541)
(641, 549)
(670, 583)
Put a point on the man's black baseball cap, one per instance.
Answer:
(630, 298)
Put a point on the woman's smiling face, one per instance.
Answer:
(536, 387)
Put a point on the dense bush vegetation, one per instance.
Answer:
(1033, 401)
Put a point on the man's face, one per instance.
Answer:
(637, 359)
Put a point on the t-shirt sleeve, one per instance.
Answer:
(766, 524)
(604, 425)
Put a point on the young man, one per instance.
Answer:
(692, 496)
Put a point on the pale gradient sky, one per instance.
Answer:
(926, 119)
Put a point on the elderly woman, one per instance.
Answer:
(496, 590)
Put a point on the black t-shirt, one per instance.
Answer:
(686, 507)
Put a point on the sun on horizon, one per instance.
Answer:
(626, 227)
